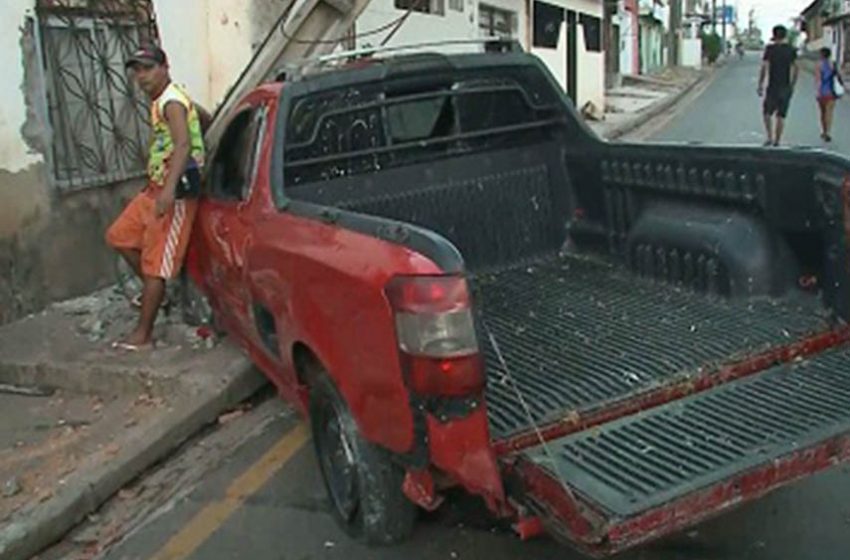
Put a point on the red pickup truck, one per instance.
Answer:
(460, 284)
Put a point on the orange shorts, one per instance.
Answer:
(162, 241)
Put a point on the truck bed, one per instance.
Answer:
(647, 460)
(576, 334)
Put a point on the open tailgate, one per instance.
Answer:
(655, 472)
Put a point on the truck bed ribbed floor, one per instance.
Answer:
(649, 459)
(576, 334)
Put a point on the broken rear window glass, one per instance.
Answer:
(347, 132)
(421, 119)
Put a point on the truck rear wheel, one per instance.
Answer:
(364, 485)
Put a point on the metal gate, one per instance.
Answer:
(99, 120)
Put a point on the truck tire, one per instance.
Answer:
(363, 484)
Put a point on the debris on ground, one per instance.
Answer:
(25, 391)
(230, 416)
(127, 493)
(592, 112)
(11, 487)
(108, 315)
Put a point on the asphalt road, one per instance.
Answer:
(263, 500)
(729, 112)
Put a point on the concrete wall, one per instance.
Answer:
(209, 49)
(651, 46)
(15, 155)
(629, 62)
(691, 50)
(520, 8)
(186, 41)
(417, 28)
(51, 246)
(591, 78)
(590, 65)
(556, 59)
(420, 27)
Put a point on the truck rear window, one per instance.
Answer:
(376, 126)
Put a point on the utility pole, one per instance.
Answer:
(714, 17)
(723, 24)
(675, 27)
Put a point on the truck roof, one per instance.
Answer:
(370, 69)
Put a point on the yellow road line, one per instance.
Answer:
(213, 516)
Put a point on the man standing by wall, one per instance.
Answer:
(779, 66)
(152, 232)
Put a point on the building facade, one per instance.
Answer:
(74, 131)
(629, 32)
(653, 20)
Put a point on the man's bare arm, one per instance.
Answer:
(762, 75)
(795, 73)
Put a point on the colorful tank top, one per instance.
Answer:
(162, 145)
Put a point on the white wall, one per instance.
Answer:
(590, 74)
(591, 79)
(186, 41)
(520, 8)
(209, 50)
(14, 153)
(556, 59)
(691, 50)
(628, 44)
(418, 27)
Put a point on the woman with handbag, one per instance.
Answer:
(830, 87)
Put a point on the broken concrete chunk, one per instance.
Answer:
(11, 487)
(592, 112)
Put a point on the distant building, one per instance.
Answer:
(814, 17)
(837, 23)
(629, 33)
(654, 19)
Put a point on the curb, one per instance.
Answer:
(660, 107)
(22, 539)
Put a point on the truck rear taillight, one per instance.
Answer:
(436, 334)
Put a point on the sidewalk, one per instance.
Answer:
(80, 420)
(642, 98)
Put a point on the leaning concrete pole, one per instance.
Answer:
(675, 27)
(305, 29)
(714, 16)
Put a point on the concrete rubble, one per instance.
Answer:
(82, 420)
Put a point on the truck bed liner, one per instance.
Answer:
(576, 334)
(649, 459)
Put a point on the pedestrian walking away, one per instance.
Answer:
(829, 87)
(779, 67)
(152, 233)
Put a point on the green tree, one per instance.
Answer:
(712, 46)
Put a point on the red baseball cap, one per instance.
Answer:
(147, 56)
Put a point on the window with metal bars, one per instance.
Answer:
(434, 7)
(99, 120)
(495, 22)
